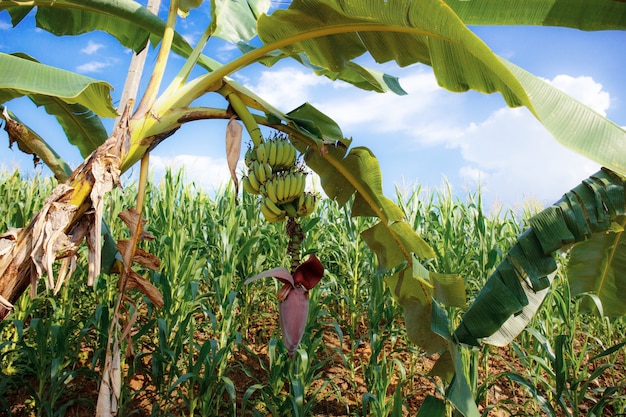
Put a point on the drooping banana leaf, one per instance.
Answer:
(577, 14)
(82, 127)
(21, 77)
(332, 33)
(598, 266)
(583, 213)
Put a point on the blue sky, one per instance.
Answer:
(422, 138)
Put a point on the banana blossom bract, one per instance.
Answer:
(293, 298)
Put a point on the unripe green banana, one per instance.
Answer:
(247, 186)
(249, 157)
(262, 171)
(290, 157)
(270, 191)
(273, 207)
(280, 152)
(269, 215)
(306, 204)
(272, 152)
(254, 182)
(261, 153)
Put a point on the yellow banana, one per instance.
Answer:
(294, 189)
(261, 152)
(254, 182)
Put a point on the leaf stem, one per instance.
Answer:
(154, 84)
(244, 114)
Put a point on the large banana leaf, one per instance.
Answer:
(586, 212)
(81, 126)
(332, 33)
(598, 266)
(578, 14)
(20, 76)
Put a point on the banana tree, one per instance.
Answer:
(326, 36)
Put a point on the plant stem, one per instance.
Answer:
(296, 236)
(159, 68)
(244, 114)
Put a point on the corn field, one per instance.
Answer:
(214, 348)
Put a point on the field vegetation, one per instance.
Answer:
(214, 348)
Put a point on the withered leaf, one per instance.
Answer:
(146, 287)
(142, 257)
(233, 149)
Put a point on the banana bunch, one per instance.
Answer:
(285, 186)
(273, 173)
(258, 174)
(277, 152)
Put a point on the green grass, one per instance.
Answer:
(214, 349)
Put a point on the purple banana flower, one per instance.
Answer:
(293, 298)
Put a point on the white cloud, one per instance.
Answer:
(92, 67)
(206, 172)
(287, 88)
(91, 48)
(514, 151)
(5, 26)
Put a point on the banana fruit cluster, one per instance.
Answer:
(273, 173)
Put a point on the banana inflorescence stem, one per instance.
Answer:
(296, 236)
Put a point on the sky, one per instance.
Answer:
(426, 138)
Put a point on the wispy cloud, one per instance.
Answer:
(5, 25)
(205, 171)
(91, 48)
(93, 67)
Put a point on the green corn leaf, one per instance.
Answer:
(432, 407)
(584, 216)
(20, 76)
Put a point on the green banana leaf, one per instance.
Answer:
(235, 21)
(20, 76)
(82, 127)
(332, 33)
(598, 266)
(585, 213)
(577, 14)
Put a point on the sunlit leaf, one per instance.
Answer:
(578, 14)
(598, 266)
(333, 33)
(21, 77)
(236, 20)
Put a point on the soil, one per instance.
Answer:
(342, 397)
